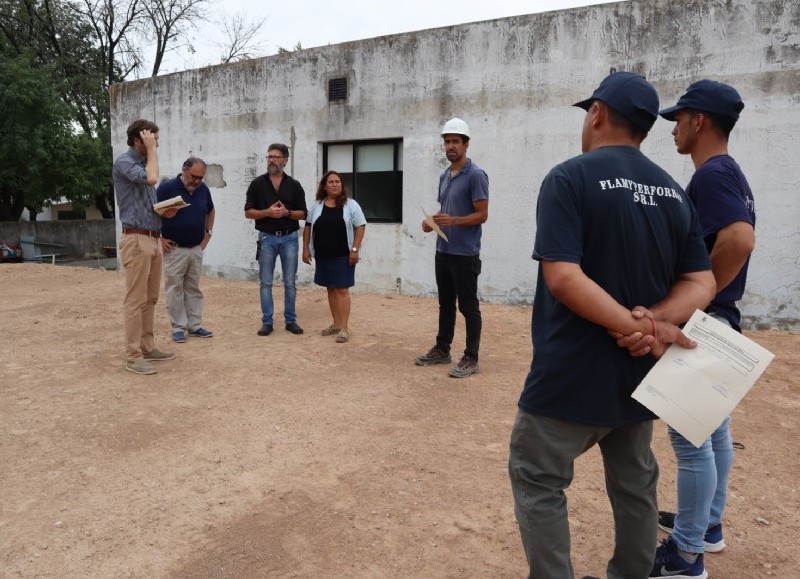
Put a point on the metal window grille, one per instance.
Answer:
(337, 89)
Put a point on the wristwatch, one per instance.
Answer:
(355, 249)
(208, 232)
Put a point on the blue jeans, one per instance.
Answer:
(702, 483)
(273, 246)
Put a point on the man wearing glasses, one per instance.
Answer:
(183, 239)
(277, 203)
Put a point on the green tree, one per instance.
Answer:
(52, 37)
(38, 147)
(83, 47)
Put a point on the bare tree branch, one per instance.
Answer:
(240, 37)
(170, 22)
(113, 21)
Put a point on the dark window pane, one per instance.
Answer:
(380, 193)
(71, 215)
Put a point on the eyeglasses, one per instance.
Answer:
(195, 177)
(275, 157)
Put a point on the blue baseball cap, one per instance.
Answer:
(630, 95)
(708, 96)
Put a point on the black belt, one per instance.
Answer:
(280, 233)
(138, 231)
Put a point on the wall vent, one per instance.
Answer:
(337, 89)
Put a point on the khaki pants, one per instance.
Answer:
(541, 459)
(141, 257)
(182, 269)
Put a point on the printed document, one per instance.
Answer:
(695, 390)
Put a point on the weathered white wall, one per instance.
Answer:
(513, 81)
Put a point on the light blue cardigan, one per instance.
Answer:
(353, 217)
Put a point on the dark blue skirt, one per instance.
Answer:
(335, 272)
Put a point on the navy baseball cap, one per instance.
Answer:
(630, 95)
(708, 96)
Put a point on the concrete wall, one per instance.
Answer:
(512, 80)
(82, 238)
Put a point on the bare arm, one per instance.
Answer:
(359, 235)
(210, 219)
(733, 246)
(478, 216)
(692, 291)
(151, 166)
(209, 226)
(584, 297)
(307, 243)
(357, 239)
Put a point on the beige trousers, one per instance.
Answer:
(182, 269)
(141, 257)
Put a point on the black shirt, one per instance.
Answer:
(330, 233)
(262, 195)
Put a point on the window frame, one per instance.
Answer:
(397, 143)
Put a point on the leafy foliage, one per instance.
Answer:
(58, 59)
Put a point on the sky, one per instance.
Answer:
(322, 22)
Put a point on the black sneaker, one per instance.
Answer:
(434, 356)
(712, 542)
(265, 330)
(294, 328)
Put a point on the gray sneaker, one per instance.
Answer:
(156, 355)
(467, 366)
(140, 366)
(434, 356)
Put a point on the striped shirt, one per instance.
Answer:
(135, 197)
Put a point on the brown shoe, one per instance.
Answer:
(434, 356)
(467, 366)
(156, 355)
(140, 366)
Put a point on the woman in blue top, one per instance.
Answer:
(333, 234)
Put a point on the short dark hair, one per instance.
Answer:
(137, 127)
(321, 194)
(722, 125)
(616, 119)
(192, 161)
(464, 138)
(279, 147)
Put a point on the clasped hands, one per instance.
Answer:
(640, 344)
(278, 210)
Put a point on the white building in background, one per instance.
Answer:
(373, 110)
(61, 211)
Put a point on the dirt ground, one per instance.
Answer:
(294, 456)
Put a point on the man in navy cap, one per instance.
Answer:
(613, 231)
(704, 117)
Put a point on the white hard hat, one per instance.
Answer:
(455, 126)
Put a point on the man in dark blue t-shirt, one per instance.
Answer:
(613, 231)
(183, 239)
(704, 118)
(464, 200)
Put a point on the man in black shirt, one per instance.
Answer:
(277, 203)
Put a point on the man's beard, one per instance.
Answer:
(274, 170)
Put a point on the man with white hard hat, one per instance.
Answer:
(464, 199)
